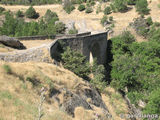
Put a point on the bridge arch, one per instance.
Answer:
(95, 52)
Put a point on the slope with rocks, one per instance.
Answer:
(67, 97)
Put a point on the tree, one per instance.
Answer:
(99, 78)
(119, 5)
(81, 7)
(49, 15)
(75, 62)
(88, 10)
(19, 13)
(142, 7)
(107, 10)
(153, 105)
(104, 20)
(60, 28)
(9, 25)
(31, 13)
(131, 2)
(2, 9)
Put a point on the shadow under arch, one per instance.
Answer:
(94, 52)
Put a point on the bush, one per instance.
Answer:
(99, 76)
(81, 7)
(49, 15)
(29, 2)
(15, 27)
(149, 21)
(31, 13)
(107, 11)
(73, 31)
(92, 3)
(75, 62)
(153, 105)
(60, 27)
(119, 5)
(7, 69)
(19, 14)
(142, 7)
(131, 2)
(141, 78)
(104, 20)
(69, 8)
(110, 18)
(2, 9)
(89, 10)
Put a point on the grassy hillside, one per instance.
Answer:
(20, 93)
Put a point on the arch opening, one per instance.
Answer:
(94, 53)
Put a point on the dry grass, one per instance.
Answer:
(19, 95)
(20, 99)
(115, 103)
(35, 43)
(3, 48)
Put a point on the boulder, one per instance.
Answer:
(72, 101)
(11, 42)
(84, 95)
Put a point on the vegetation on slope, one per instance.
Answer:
(15, 27)
(77, 63)
(29, 2)
(135, 70)
(21, 84)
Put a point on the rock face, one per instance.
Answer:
(70, 26)
(83, 95)
(11, 42)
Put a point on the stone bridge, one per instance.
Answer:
(92, 46)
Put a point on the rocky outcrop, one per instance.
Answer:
(83, 95)
(11, 42)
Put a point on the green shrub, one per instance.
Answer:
(153, 105)
(92, 3)
(143, 31)
(119, 5)
(89, 10)
(154, 34)
(142, 7)
(15, 27)
(99, 76)
(73, 31)
(149, 21)
(107, 10)
(69, 8)
(29, 2)
(31, 13)
(81, 7)
(49, 15)
(131, 2)
(88, 4)
(104, 20)
(158, 5)
(112, 25)
(141, 78)
(60, 28)
(110, 18)
(75, 62)
(19, 14)
(7, 69)
(2, 9)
